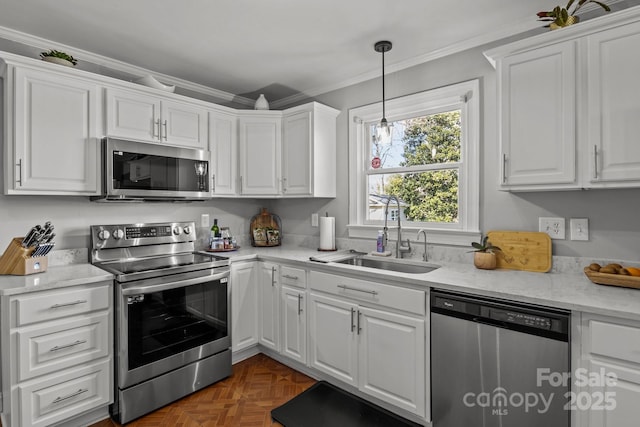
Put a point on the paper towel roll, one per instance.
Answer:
(327, 233)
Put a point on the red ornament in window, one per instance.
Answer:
(375, 162)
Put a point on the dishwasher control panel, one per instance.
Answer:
(519, 318)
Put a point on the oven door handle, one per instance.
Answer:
(148, 289)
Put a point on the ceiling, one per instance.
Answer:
(282, 48)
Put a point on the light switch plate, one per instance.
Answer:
(204, 220)
(579, 228)
(553, 226)
(314, 219)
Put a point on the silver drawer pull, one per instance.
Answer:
(345, 287)
(286, 276)
(73, 344)
(67, 304)
(69, 396)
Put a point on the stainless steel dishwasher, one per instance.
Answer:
(496, 363)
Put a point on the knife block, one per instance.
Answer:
(17, 260)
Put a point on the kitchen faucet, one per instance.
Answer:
(422, 230)
(400, 248)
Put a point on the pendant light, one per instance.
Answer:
(383, 130)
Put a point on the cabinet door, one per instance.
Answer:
(132, 114)
(260, 140)
(184, 124)
(537, 91)
(296, 154)
(269, 297)
(223, 145)
(244, 306)
(55, 150)
(392, 358)
(614, 107)
(333, 348)
(623, 393)
(294, 324)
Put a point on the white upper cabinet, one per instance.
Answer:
(51, 132)
(143, 116)
(538, 116)
(568, 106)
(223, 145)
(260, 145)
(614, 107)
(309, 151)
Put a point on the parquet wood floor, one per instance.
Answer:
(245, 399)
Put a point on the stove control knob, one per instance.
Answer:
(104, 235)
(187, 230)
(177, 230)
(118, 234)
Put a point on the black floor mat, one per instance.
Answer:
(324, 405)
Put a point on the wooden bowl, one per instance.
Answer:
(612, 279)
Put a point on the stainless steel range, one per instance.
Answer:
(172, 316)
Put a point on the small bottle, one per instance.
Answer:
(215, 230)
(380, 242)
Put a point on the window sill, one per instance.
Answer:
(434, 236)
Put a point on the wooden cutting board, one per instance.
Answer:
(522, 250)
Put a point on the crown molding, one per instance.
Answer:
(120, 66)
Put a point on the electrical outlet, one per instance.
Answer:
(554, 227)
(204, 220)
(314, 219)
(579, 228)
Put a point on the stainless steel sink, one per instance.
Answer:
(402, 266)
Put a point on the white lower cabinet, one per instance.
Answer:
(294, 323)
(392, 358)
(268, 300)
(57, 354)
(608, 392)
(244, 306)
(356, 336)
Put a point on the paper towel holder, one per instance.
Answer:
(332, 236)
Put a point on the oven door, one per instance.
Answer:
(168, 322)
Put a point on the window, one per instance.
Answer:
(429, 161)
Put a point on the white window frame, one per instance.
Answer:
(461, 96)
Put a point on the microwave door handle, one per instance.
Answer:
(148, 289)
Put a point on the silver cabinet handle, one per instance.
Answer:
(366, 291)
(62, 347)
(273, 276)
(299, 304)
(19, 180)
(359, 328)
(69, 396)
(213, 182)
(353, 311)
(284, 185)
(595, 162)
(67, 304)
(504, 168)
(164, 125)
(286, 276)
(156, 129)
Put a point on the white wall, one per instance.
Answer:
(614, 227)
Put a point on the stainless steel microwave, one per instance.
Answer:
(138, 171)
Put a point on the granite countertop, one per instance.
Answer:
(570, 291)
(55, 277)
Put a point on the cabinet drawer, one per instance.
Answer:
(614, 340)
(292, 276)
(47, 349)
(410, 300)
(59, 397)
(50, 305)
